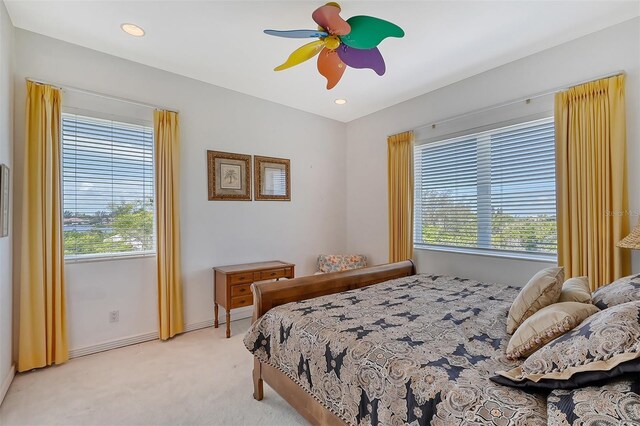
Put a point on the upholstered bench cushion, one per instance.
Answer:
(340, 262)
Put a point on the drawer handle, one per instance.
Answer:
(242, 290)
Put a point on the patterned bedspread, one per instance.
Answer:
(612, 404)
(417, 350)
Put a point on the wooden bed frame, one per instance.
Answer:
(268, 295)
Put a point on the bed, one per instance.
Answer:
(383, 345)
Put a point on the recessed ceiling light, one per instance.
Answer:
(132, 29)
(340, 101)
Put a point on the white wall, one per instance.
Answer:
(213, 232)
(319, 218)
(613, 49)
(6, 157)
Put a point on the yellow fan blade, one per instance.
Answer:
(302, 54)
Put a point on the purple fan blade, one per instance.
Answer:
(362, 58)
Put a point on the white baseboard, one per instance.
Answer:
(153, 335)
(113, 344)
(4, 388)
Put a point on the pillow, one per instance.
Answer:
(541, 290)
(605, 345)
(340, 262)
(579, 380)
(576, 290)
(547, 324)
(620, 291)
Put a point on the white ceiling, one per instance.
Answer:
(221, 42)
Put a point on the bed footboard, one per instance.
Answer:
(268, 295)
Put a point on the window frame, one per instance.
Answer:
(103, 257)
(482, 251)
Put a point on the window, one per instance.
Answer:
(493, 190)
(108, 187)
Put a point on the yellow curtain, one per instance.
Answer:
(167, 153)
(42, 337)
(591, 169)
(400, 170)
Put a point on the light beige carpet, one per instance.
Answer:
(198, 378)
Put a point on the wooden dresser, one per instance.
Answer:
(232, 284)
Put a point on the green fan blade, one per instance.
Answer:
(367, 32)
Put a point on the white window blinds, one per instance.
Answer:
(108, 187)
(493, 190)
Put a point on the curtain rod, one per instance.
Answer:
(101, 95)
(525, 99)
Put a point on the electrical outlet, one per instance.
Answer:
(114, 316)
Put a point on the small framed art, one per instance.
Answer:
(4, 200)
(229, 176)
(272, 179)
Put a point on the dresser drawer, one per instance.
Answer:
(272, 274)
(240, 290)
(241, 278)
(240, 301)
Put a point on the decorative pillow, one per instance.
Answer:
(340, 262)
(541, 290)
(547, 324)
(605, 345)
(576, 290)
(620, 291)
(578, 380)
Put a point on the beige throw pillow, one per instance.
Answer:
(576, 290)
(541, 290)
(547, 324)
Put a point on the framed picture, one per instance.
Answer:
(272, 179)
(229, 176)
(4, 200)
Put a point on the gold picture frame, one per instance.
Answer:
(229, 176)
(272, 178)
(4, 200)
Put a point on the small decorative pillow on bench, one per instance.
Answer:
(340, 262)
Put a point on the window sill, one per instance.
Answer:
(107, 258)
(490, 253)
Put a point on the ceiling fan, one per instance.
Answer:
(341, 43)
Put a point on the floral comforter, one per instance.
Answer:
(416, 350)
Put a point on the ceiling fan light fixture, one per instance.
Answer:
(341, 44)
(132, 29)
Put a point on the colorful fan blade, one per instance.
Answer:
(362, 58)
(331, 67)
(297, 33)
(367, 32)
(328, 17)
(302, 54)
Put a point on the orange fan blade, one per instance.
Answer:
(331, 67)
(328, 17)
